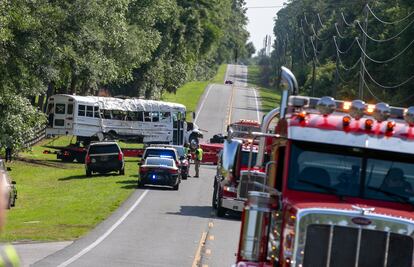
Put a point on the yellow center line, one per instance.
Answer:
(197, 256)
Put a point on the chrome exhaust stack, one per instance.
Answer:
(292, 89)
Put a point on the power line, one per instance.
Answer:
(385, 86)
(388, 22)
(384, 40)
(346, 50)
(383, 61)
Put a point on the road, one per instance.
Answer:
(159, 227)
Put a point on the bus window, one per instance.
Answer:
(147, 116)
(107, 114)
(81, 111)
(131, 116)
(140, 116)
(118, 115)
(70, 109)
(89, 111)
(175, 117)
(60, 109)
(165, 117)
(96, 112)
(155, 116)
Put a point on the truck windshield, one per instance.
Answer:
(348, 171)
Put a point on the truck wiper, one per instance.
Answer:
(398, 197)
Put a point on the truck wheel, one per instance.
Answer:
(68, 158)
(220, 212)
(140, 184)
(88, 173)
(122, 171)
(80, 158)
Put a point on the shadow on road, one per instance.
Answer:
(204, 212)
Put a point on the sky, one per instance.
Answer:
(261, 20)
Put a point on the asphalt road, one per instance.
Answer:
(161, 227)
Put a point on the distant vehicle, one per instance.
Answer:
(104, 157)
(160, 151)
(228, 82)
(159, 171)
(11, 191)
(146, 121)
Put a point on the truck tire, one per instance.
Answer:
(88, 173)
(69, 158)
(140, 184)
(122, 171)
(220, 211)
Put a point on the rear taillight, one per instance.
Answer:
(229, 191)
(172, 171)
(88, 159)
(120, 156)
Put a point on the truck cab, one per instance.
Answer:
(341, 190)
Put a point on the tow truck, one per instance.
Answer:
(235, 161)
(338, 190)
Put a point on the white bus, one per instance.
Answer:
(146, 121)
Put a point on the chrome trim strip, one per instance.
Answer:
(331, 230)
(387, 247)
(358, 247)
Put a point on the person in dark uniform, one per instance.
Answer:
(8, 153)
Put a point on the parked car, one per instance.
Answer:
(159, 171)
(11, 191)
(104, 157)
(228, 82)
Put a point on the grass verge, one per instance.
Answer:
(190, 93)
(269, 97)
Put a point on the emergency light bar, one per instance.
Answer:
(357, 108)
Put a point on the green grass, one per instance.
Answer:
(269, 97)
(190, 93)
(56, 201)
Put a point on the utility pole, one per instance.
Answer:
(364, 46)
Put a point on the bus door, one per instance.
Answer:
(63, 115)
(178, 128)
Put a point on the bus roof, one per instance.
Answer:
(132, 104)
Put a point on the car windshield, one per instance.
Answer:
(168, 153)
(348, 171)
(103, 149)
(160, 162)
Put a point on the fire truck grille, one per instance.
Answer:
(339, 246)
(247, 184)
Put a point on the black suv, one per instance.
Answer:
(104, 157)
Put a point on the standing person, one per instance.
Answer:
(8, 153)
(198, 159)
(188, 156)
(8, 255)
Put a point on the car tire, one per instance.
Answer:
(184, 176)
(122, 171)
(176, 187)
(88, 173)
(220, 211)
(140, 184)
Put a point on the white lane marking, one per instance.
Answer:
(202, 103)
(106, 234)
(257, 105)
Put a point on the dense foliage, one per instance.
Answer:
(128, 47)
(322, 41)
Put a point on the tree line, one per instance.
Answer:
(138, 48)
(346, 48)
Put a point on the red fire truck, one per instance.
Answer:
(339, 190)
